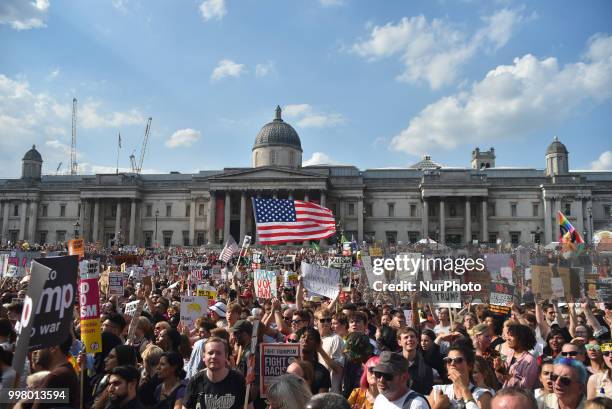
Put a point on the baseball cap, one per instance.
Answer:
(242, 326)
(391, 363)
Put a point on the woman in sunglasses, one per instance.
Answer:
(596, 361)
(462, 393)
(364, 396)
(600, 384)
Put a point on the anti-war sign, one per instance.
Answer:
(319, 280)
(48, 306)
(265, 284)
(193, 308)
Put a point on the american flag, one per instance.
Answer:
(281, 221)
(228, 251)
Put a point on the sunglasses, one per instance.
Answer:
(606, 353)
(386, 376)
(371, 369)
(564, 380)
(324, 320)
(593, 347)
(569, 353)
(296, 321)
(455, 361)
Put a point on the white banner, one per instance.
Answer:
(319, 280)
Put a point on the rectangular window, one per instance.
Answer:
(16, 210)
(515, 237)
(235, 208)
(391, 237)
(351, 209)
(607, 212)
(413, 236)
(201, 238)
(492, 238)
(368, 210)
(149, 211)
(113, 210)
(332, 207)
(79, 211)
(45, 210)
(13, 234)
(200, 210)
(187, 210)
(452, 210)
(148, 238)
(535, 209)
(60, 235)
(186, 238)
(568, 209)
(491, 209)
(42, 237)
(168, 210)
(391, 209)
(413, 210)
(513, 209)
(432, 210)
(369, 236)
(167, 238)
(62, 210)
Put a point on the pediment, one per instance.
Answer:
(267, 173)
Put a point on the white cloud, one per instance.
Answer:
(53, 74)
(227, 68)
(319, 158)
(22, 14)
(261, 70)
(434, 51)
(512, 100)
(309, 118)
(90, 117)
(604, 162)
(120, 5)
(213, 9)
(183, 137)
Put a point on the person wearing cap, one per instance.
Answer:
(218, 312)
(392, 377)
(242, 332)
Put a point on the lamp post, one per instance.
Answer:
(76, 229)
(156, 216)
(590, 212)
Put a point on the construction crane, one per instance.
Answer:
(58, 168)
(144, 146)
(73, 162)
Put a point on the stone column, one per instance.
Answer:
(323, 242)
(484, 227)
(96, 221)
(6, 208)
(468, 221)
(227, 216)
(133, 222)
(547, 217)
(580, 217)
(442, 238)
(33, 220)
(118, 221)
(425, 219)
(360, 220)
(192, 217)
(242, 216)
(22, 219)
(82, 220)
(212, 210)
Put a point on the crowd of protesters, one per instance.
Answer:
(359, 350)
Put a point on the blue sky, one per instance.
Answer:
(369, 83)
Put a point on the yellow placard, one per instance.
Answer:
(76, 248)
(91, 335)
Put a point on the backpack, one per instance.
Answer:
(412, 396)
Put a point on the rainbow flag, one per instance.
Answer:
(567, 233)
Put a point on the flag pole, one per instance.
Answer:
(118, 147)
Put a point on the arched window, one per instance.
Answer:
(291, 158)
(273, 157)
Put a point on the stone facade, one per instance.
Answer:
(449, 205)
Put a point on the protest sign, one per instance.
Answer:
(193, 308)
(115, 284)
(274, 361)
(448, 299)
(290, 279)
(47, 309)
(319, 280)
(499, 309)
(494, 263)
(556, 285)
(367, 266)
(604, 289)
(207, 291)
(76, 248)
(506, 272)
(376, 251)
(265, 284)
(406, 271)
(131, 308)
(501, 294)
(89, 300)
(540, 282)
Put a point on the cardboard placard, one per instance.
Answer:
(274, 361)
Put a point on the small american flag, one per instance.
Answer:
(281, 221)
(228, 251)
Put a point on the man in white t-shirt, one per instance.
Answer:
(332, 346)
(391, 374)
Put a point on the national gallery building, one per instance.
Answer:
(450, 205)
